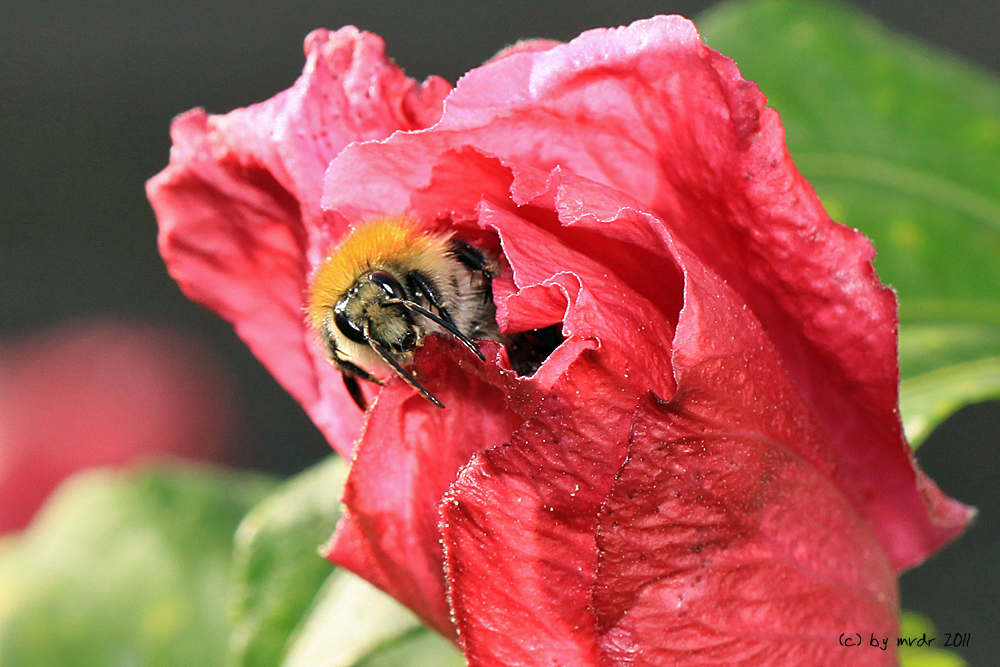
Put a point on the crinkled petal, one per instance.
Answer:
(408, 456)
(721, 546)
(559, 256)
(634, 335)
(238, 206)
(547, 281)
(349, 91)
(727, 537)
(519, 526)
(641, 194)
(735, 397)
(650, 111)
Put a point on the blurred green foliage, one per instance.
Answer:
(913, 625)
(277, 567)
(902, 141)
(125, 569)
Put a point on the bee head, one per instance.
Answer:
(372, 312)
(387, 285)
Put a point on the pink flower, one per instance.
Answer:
(96, 393)
(710, 469)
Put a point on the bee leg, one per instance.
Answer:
(476, 261)
(420, 286)
(351, 372)
(447, 324)
(472, 257)
(406, 376)
(354, 389)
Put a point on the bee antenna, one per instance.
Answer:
(417, 308)
(400, 371)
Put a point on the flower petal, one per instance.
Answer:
(633, 334)
(650, 111)
(722, 547)
(240, 222)
(408, 456)
(728, 534)
(736, 398)
(593, 263)
(519, 525)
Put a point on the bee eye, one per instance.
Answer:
(389, 285)
(347, 327)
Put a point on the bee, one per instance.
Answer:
(387, 285)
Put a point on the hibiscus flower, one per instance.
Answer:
(709, 467)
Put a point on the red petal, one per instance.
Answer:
(728, 537)
(519, 526)
(720, 546)
(608, 167)
(654, 113)
(600, 266)
(549, 281)
(240, 223)
(744, 423)
(408, 456)
(650, 111)
(634, 336)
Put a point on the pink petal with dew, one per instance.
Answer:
(408, 456)
(519, 525)
(653, 113)
(240, 222)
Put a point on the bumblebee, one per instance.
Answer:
(387, 285)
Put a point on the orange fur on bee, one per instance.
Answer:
(374, 244)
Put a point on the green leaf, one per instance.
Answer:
(125, 568)
(927, 400)
(912, 624)
(11, 581)
(903, 142)
(353, 624)
(420, 648)
(277, 567)
(291, 608)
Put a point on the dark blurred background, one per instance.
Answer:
(87, 91)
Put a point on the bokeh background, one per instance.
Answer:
(87, 91)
